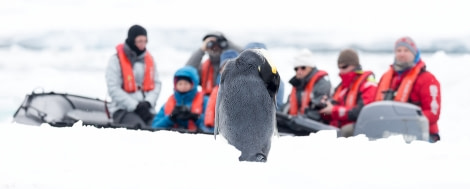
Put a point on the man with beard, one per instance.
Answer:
(407, 80)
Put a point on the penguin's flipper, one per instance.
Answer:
(216, 128)
(216, 121)
(216, 131)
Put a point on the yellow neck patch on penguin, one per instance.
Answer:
(266, 55)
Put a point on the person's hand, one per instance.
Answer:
(328, 109)
(180, 113)
(143, 110)
(319, 104)
(193, 116)
(204, 43)
(187, 115)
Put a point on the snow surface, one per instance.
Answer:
(64, 46)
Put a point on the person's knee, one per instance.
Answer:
(347, 130)
(129, 120)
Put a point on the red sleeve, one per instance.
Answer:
(367, 92)
(326, 117)
(339, 113)
(427, 91)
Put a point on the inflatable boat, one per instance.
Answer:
(64, 110)
(376, 120)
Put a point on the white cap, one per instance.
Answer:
(304, 58)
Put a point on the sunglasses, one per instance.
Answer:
(343, 67)
(301, 67)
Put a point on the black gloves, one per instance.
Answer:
(178, 113)
(143, 110)
(313, 114)
(193, 116)
(434, 137)
(183, 113)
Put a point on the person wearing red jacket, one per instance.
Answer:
(357, 89)
(407, 80)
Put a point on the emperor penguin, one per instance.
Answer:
(246, 104)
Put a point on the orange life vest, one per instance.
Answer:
(404, 91)
(207, 77)
(128, 80)
(306, 97)
(351, 97)
(196, 107)
(210, 109)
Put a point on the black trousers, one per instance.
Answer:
(130, 120)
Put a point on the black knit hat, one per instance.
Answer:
(133, 32)
(219, 35)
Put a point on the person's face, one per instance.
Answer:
(141, 42)
(183, 86)
(302, 71)
(215, 50)
(344, 68)
(403, 55)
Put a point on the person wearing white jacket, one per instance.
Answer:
(132, 81)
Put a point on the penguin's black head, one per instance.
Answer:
(249, 59)
(260, 60)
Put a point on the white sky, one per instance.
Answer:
(360, 17)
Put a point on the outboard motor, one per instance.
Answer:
(386, 118)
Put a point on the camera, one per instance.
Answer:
(318, 105)
(221, 43)
(389, 94)
(183, 108)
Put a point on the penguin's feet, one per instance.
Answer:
(260, 158)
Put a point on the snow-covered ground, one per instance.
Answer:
(64, 46)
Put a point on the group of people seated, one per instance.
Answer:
(134, 86)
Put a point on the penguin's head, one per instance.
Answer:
(260, 60)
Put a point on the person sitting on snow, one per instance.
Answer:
(357, 89)
(186, 107)
(407, 80)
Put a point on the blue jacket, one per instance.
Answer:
(163, 121)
